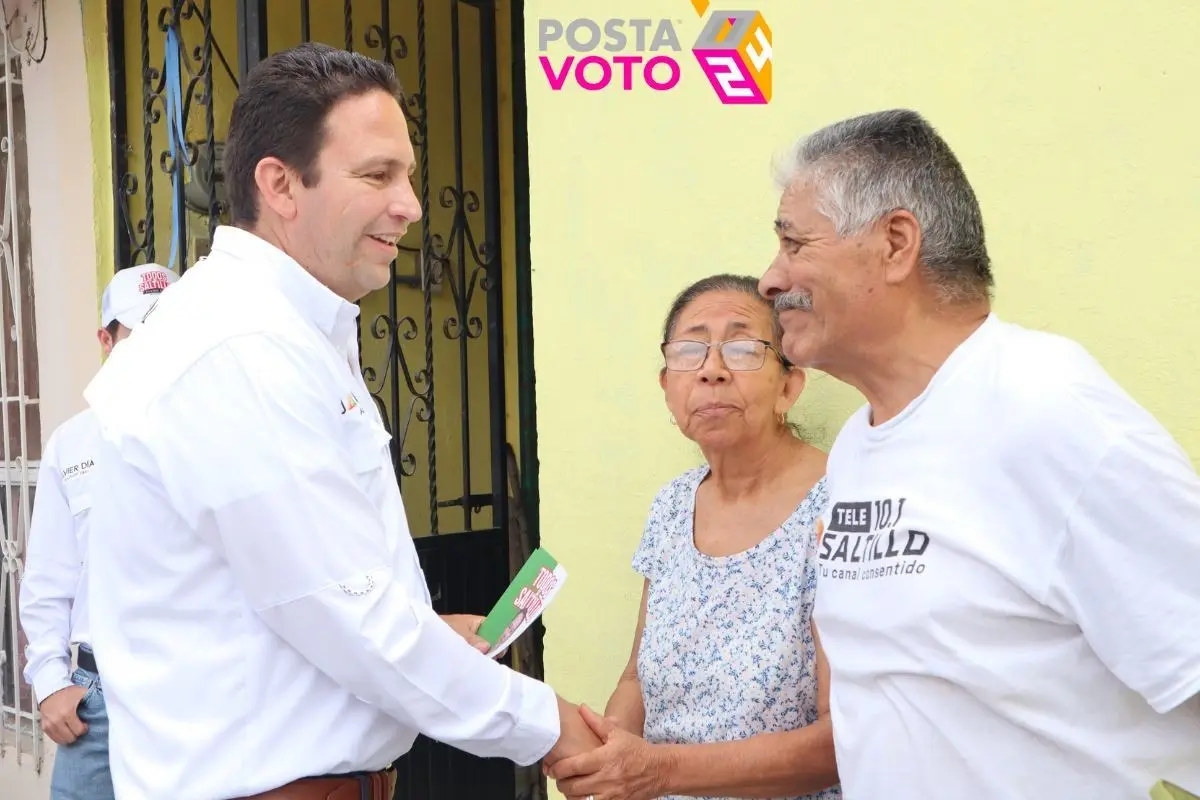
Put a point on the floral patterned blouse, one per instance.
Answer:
(727, 650)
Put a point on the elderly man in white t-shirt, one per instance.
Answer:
(1008, 592)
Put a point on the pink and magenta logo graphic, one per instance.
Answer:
(734, 50)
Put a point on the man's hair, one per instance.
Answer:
(865, 167)
(281, 111)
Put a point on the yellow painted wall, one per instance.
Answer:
(328, 25)
(95, 49)
(1074, 121)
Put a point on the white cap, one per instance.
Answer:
(132, 292)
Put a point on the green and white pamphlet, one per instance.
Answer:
(536, 584)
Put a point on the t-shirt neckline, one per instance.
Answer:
(961, 355)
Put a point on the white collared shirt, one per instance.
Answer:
(53, 601)
(260, 614)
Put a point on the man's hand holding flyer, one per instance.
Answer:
(535, 586)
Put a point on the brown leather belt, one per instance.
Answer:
(359, 786)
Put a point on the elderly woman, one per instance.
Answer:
(726, 690)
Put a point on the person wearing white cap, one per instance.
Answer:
(53, 599)
(130, 296)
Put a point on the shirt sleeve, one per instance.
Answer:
(49, 582)
(649, 560)
(1128, 566)
(268, 471)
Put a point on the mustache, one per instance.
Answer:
(793, 301)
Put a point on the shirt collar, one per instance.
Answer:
(334, 316)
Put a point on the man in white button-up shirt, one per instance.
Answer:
(261, 609)
(53, 600)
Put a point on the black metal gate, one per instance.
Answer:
(175, 67)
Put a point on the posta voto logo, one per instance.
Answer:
(734, 50)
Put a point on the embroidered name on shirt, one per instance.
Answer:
(78, 470)
(865, 541)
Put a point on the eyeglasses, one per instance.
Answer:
(739, 355)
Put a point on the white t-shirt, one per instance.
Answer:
(1009, 586)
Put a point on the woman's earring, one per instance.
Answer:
(673, 422)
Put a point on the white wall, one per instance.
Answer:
(62, 216)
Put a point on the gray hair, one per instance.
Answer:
(864, 167)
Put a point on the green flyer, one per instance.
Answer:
(536, 584)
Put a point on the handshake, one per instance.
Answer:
(594, 757)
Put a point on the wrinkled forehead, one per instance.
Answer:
(723, 315)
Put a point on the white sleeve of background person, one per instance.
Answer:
(272, 478)
(1130, 566)
(50, 580)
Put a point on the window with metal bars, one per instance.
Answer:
(20, 418)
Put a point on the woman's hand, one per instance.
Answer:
(624, 767)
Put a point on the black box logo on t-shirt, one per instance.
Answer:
(866, 540)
